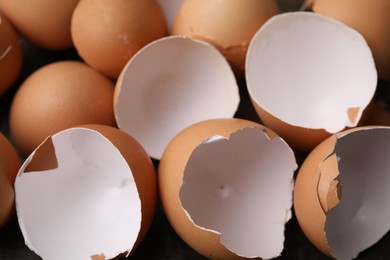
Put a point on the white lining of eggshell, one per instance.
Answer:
(88, 205)
(241, 188)
(309, 71)
(170, 84)
(363, 215)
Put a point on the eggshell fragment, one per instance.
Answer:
(341, 192)
(9, 166)
(108, 33)
(45, 23)
(309, 76)
(86, 193)
(11, 57)
(229, 25)
(58, 96)
(170, 84)
(374, 27)
(226, 188)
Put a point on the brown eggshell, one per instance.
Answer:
(9, 167)
(132, 209)
(340, 182)
(58, 96)
(373, 27)
(108, 33)
(228, 25)
(11, 57)
(170, 175)
(43, 22)
(142, 168)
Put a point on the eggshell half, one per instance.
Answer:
(229, 25)
(341, 192)
(170, 84)
(9, 167)
(374, 26)
(96, 195)
(309, 76)
(11, 57)
(226, 188)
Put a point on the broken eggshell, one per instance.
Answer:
(226, 188)
(228, 25)
(341, 192)
(86, 192)
(329, 77)
(170, 84)
(9, 167)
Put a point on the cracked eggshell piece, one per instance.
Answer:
(169, 8)
(170, 84)
(228, 25)
(341, 192)
(373, 28)
(226, 188)
(11, 57)
(309, 76)
(9, 167)
(86, 192)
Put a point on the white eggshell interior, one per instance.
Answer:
(171, 84)
(311, 71)
(363, 215)
(89, 205)
(241, 188)
(170, 8)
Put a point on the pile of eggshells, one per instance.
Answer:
(158, 79)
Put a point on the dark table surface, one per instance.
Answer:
(161, 241)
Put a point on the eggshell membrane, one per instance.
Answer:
(170, 84)
(330, 201)
(377, 18)
(112, 202)
(11, 57)
(169, 8)
(108, 33)
(58, 96)
(9, 166)
(43, 22)
(329, 77)
(228, 25)
(176, 161)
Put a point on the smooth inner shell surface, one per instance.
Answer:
(363, 215)
(241, 188)
(311, 71)
(169, 85)
(76, 198)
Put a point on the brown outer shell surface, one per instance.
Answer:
(108, 33)
(9, 167)
(143, 172)
(58, 96)
(43, 22)
(170, 176)
(228, 25)
(374, 26)
(11, 63)
(307, 206)
(300, 138)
